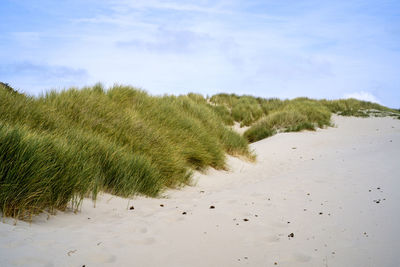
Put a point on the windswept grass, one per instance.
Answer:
(354, 107)
(268, 116)
(296, 115)
(245, 109)
(63, 146)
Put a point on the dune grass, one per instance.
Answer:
(63, 146)
(269, 116)
(60, 147)
(296, 115)
(243, 109)
(354, 107)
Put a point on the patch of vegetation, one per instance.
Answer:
(63, 146)
(60, 147)
(246, 109)
(269, 116)
(353, 107)
(296, 115)
(7, 87)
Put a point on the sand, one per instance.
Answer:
(324, 198)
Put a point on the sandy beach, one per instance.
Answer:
(323, 198)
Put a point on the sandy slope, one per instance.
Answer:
(320, 186)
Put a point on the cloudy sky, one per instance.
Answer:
(314, 48)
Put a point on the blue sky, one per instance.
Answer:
(319, 49)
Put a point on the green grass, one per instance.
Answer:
(353, 107)
(269, 116)
(58, 148)
(63, 146)
(245, 109)
(296, 115)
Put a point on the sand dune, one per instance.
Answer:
(324, 198)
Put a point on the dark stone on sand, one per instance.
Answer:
(291, 235)
(161, 205)
(378, 188)
(212, 207)
(320, 213)
(245, 219)
(132, 208)
(184, 213)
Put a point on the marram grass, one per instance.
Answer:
(63, 146)
(269, 116)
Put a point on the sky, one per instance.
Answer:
(286, 49)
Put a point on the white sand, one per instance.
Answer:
(337, 167)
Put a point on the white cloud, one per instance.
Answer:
(365, 96)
